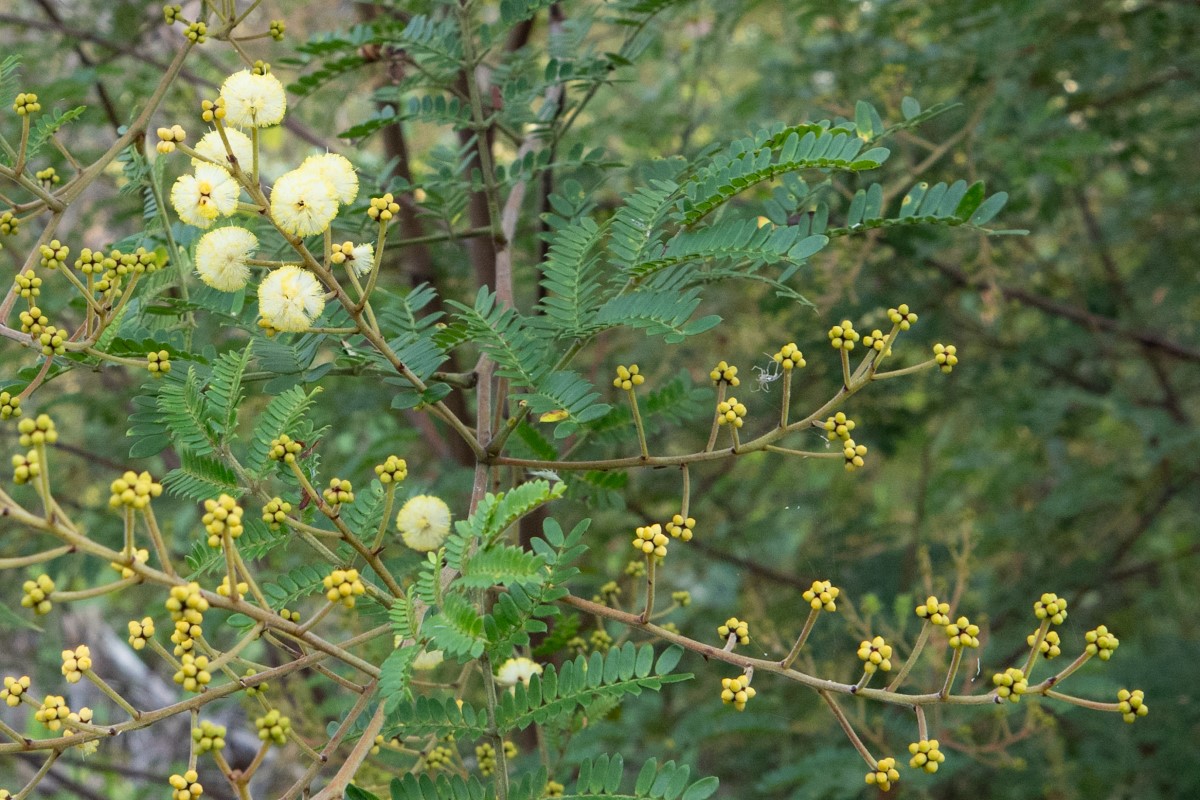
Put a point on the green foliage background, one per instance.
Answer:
(1062, 449)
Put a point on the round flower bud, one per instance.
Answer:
(651, 540)
(628, 377)
(343, 586)
(843, 336)
(681, 528)
(737, 628)
(875, 654)
(723, 373)
(946, 356)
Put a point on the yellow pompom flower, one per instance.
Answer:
(424, 522)
(212, 148)
(221, 257)
(516, 670)
(290, 298)
(200, 198)
(337, 171)
(303, 203)
(253, 101)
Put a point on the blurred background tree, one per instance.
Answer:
(1060, 455)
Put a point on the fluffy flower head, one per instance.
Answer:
(253, 101)
(211, 147)
(517, 669)
(361, 259)
(221, 258)
(290, 298)
(424, 522)
(338, 172)
(200, 198)
(303, 203)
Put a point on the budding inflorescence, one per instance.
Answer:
(884, 774)
(26, 103)
(26, 467)
(13, 689)
(27, 284)
(935, 611)
(158, 363)
(186, 786)
(10, 405)
(211, 110)
(193, 674)
(789, 357)
(340, 491)
(277, 29)
(76, 662)
(37, 594)
(681, 528)
(902, 316)
(168, 138)
(962, 633)
(731, 412)
(54, 255)
(486, 756)
(1132, 704)
(9, 224)
(682, 598)
(946, 356)
(273, 727)
(140, 632)
(926, 755)
(1052, 607)
(33, 321)
(284, 449)
(38, 431)
(1100, 643)
(48, 177)
(53, 712)
(737, 692)
(208, 736)
(1050, 646)
(628, 377)
(838, 427)
(133, 490)
(223, 517)
(723, 373)
(343, 586)
(875, 340)
(651, 540)
(242, 587)
(275, 512)
(439, 757)
(875, 654)
(392, 470)
(609, 593)
(736, 628)
(383, 208)
(843, 337)
(854, 454)
(171, 13)
(196, 33)
(1010, 684)
(822, 596)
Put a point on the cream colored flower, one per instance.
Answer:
(424, 522)
(221, 257)
(201, 198)
(517, 669)
(253, 101)
(428, 659)
(290, 298)
(303, 203)
(338, 172)
(361, 259)
(211, 147)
